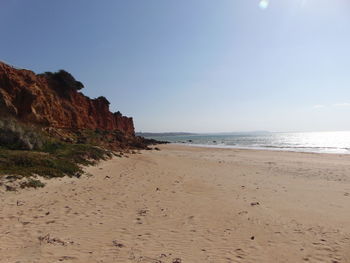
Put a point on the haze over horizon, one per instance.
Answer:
(195, 65)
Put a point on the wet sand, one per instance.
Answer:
(186, 204)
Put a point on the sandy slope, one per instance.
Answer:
(184, 204)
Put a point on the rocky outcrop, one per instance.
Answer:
(54, 100)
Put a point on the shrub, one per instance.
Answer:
(14, 135)
(32, 183)
(63, 82)
(26, 151)
(65, 79)
(56, 160)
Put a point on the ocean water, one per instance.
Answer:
(317, 142)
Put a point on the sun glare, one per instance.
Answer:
(263, 4)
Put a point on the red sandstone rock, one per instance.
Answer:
(53, 100)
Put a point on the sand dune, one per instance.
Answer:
(186, 204)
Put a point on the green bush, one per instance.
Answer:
(65, 80)
(27, 151)
(14, 135)
(32, 183)
(56, 160)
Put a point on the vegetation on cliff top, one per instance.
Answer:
(65, 79)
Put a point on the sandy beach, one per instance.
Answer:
(186, 204)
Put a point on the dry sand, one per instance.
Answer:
(186, 204)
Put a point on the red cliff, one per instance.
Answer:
(54, 100)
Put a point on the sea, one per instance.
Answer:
(314, 142)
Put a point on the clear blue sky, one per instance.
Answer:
(195, 65)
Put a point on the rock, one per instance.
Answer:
(117, 244)
(54, 100)
(10, 188)
(52, 103)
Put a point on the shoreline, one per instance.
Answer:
(186, 204)
(274, 149)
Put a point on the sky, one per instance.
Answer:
(194, 65)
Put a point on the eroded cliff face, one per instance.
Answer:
(54, 100)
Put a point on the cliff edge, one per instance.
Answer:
(54, 100)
